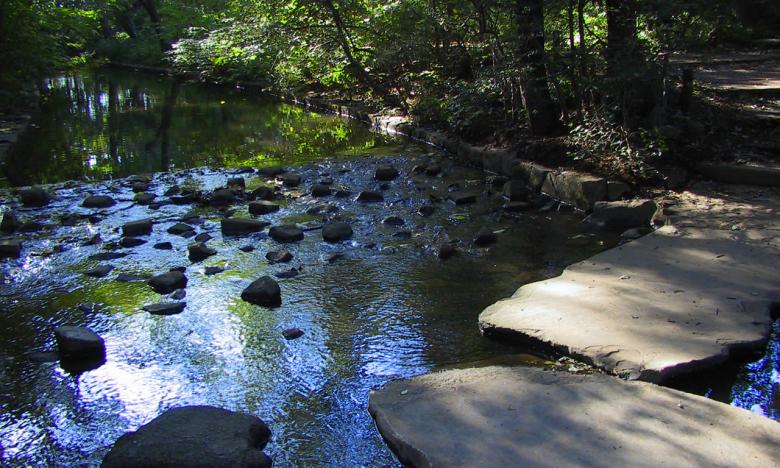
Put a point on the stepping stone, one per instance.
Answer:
(512, 416)
(165, 308)
(194, 436)
(385, 172)
(130, 242)
(10, 248)
(286, 233)
(100, 271)
(199, 252)
(370, 196)
(142, 227)
(78, 343)
(264, 292)
(98, 201)
(262, 207)
(278, 256)
(242, 227)
(336, 232)
(168, 282)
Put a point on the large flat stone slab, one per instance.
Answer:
(522, 416)
(672, 302)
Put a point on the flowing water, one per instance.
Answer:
(379, 307)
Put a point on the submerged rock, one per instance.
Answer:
(264, 292)
(370, 196)
(165, 308)
(286, 233)
(203, 237)
(168, 282)
(239, 227)
(10, 248)
(199, 251)
(385, 172)
(213, 270)
(34, 197)
(426, 210)
(262, 207)
(142, 227)
(446, 251)
(278, 256)
(194, 436)
(79, 343)
(100, 271)
(286, 274)
(485, 237)
(336, 232)
(98, 201)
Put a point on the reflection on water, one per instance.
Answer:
(115, 123)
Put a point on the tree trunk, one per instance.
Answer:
(538, 103)
(154, 16)
(622, 47)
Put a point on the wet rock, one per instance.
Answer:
(30, 226)
(222, 197)
(463, 198)
(292, 333)
(580, 190)
(70, 220)
(278, 256)
(262, 193)
(163, 246)
(622, 214)
(262, 207)
(246, 248)
(271, 171)
(181, 229)
(168, 282)
(165, 308)
(320, 190)
(326, 181)
(34, 197)
(432, 170)
(191, 217)
(129, 278)
(10, 248)
(10, 222)
(183, 199)
(333, 257)
(336, 232)
(263, 292)
(130, 242)
(98, 201)
(370, 196)
(323, 209)
(213, 270)
(244, 170)
(203, 237)
(141, 227)
(144, 198)
(286, 274)
(179, 294)
(173, 190)
(94, 240)
(240, 227)
(40, 358)
(290, 180)
(485, 237)
(140, 187)
(426, 210)
(385, 172)
(403, 235)
(286, 233)
(236, 183)
(76, 343)
(199, 251)
(194, 436)
(617, 190)
(446, 251)
(384, 186)
(342, 193)
(393, 221)
(515, 190)
(100, 271)
(103, 256)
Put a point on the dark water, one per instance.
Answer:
(387, 309)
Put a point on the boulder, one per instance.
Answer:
(617, 190)
(262, 193)
(34, 197)
(30, 226)
(292, 333)
(385, 172)
(271, 171)
(264, 292)
(163, 246)
(98, 201)
(320, 190)
(290, 180)
(144, 198)
(432, 170)
(278, 256)
(199, 251)
(141, 227)
(10, 248)
(262, 207)
(100, 271)
(370, 196)
(139, 187)
(10, 222)
(168, 282)
(194, 436)
(240, 227)
(130, 242)
(286, 233)
(212, 270)
(222, 197)
(575, 188)
(181, 229)
(76, 343)
(622, 214)
(336, 231)
(203, 237)
(236, 183)
(165, 308)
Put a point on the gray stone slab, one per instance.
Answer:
(522, 416)
(672, 302)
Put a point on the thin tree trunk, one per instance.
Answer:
(154, 16)
(535, 93)
(583, 49)
(575, 85)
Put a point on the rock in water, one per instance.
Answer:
(262, 207)
(485, 237)
(239, 227)
(385, 172)
(200, 251)
(130, 242)
(262, 193)
(100, 271)
(286, 233)
(194, 436)
(168, 282)
(370, 196)
(446, 251)
(10, 248)
(142, 227)
(290, 180)
(79, 343)
(320, 190)
(98, 201)
(165, 308)
(222, 197)
(336, 232)
(181, 229)
(278, 256)
(144, 198)
(10, 222)
(264, 292)
(292, 333)
(34, 197)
